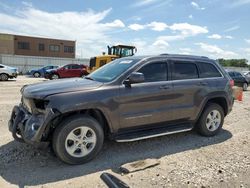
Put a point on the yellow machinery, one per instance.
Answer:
(114, 52)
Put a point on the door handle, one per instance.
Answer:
(165, 87)
(203, 83)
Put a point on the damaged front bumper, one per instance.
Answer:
(30, 128)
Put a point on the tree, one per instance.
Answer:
(234, 62)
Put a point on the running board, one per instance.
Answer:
(141, 135)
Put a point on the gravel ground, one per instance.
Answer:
(186, 159)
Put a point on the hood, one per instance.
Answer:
(42, 90)
(12, 68)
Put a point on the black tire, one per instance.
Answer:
(54, 77)
(244, 86)
(4, 77)
(66, 127)
(202, 123)
(36, 74)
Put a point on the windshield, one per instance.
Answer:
(112, 70)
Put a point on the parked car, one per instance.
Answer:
(247, 74)
(67, 71)
(126, 100)
(239, 79)
(40, 72)
(7, 72)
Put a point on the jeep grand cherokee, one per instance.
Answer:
(128, 99)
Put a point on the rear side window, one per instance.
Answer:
(1, 66)
(185, 71)
(154, 72)
(208, 70)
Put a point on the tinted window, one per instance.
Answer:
(231, 74)
(1, 66)
(185, 71)
(67, 66)
(76, 67)
(208, 70)
(238, 74)
(154, 72)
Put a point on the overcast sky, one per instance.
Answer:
(214, 28)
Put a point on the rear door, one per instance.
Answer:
(148, 102)
(187, 88)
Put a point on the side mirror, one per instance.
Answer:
(135, 77)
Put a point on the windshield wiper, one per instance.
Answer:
(89, 78)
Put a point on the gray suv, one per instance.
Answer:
(126, 100)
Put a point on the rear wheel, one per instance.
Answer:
(245, 85)
(211, 120)
(4, 77)
(36, 74)
(78, 139)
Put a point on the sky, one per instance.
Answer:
(213, 28)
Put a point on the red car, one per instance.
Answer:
(67, 71)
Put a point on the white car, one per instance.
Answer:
(7, 72)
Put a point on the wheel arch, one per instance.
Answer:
(96, 113)
(219, 99)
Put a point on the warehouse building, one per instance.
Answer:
(35, 46)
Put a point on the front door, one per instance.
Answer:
(148, 102)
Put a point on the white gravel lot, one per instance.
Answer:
(186, 159)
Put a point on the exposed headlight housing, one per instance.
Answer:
(34, 105)
(27, 104)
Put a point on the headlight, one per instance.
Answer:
(27, 104)
(34, 105)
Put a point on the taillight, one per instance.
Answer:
(231, 83)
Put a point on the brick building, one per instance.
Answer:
(35, 46)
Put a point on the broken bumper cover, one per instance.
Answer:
(29, 128)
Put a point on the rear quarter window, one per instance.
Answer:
(208, 70)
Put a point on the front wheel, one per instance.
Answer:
(78, 139)
(4, 77)
(54, 77)
(36, 74)
(211, 120)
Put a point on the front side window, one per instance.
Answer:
(76, 66)
(154, 72)
(67, 66)
(208, 70)
(185, 71)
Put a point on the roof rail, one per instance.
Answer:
(205, 57)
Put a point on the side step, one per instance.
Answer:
(150, 133)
